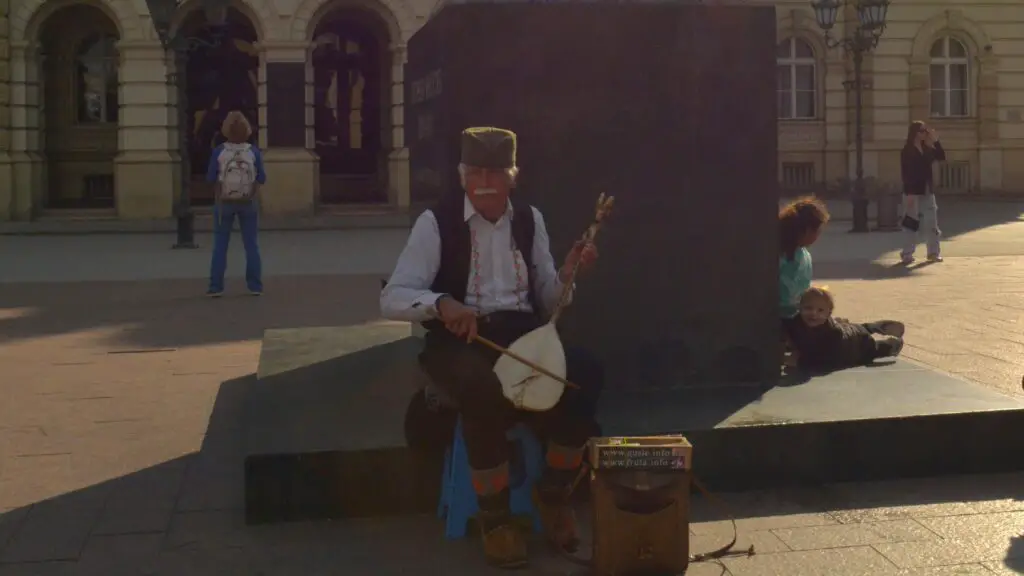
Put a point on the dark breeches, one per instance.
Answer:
(465, 373)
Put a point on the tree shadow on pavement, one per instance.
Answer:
(839, 255)
(962, 215)
(175, 313)
(957, 215)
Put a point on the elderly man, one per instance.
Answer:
(480, 263)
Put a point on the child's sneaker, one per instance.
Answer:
(214, 293)
(893, 328)
(893, 345)
(907, 260)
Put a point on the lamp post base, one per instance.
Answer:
(186, 232)
(860, 216)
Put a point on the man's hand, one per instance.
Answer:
(458, 318)
(583, 252)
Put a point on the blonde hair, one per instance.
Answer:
(236, 127)
(819, 292)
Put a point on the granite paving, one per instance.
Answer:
(121, 390)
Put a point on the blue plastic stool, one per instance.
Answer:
(458, 499)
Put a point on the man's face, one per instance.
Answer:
(488, 190)
(815, 311)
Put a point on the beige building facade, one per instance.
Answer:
(88, 118)
(957, 66)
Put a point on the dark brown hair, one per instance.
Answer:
(915, 128)
(236, 127)
(796, 219)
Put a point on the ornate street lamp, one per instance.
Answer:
(162, 12)
(870, 25)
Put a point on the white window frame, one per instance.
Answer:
(793, 62)
(947, 62)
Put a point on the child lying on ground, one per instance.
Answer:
(821, 342)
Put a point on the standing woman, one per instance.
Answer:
(236, 171)
(920, 210)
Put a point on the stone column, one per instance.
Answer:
(990, 147)
(145, 169)
(398, 158)
(6, 168)
(27, 140)
(286, 117)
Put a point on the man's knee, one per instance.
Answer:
(456, 368)
(467, 365)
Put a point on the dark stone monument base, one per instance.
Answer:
(892, 420)
(325, 439)
(323, 426)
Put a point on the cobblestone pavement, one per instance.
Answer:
(964, 316)
(121, 399)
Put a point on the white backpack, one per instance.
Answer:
(238, 176)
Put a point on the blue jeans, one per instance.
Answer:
(248, 222)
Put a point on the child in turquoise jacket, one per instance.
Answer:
(800, 225)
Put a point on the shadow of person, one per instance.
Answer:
(921, 264)
(899, 266)
(1015, 554)
(794, 375)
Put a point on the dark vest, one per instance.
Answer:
(456, 249)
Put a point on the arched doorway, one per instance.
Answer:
(351, 74)
(80, 80)
(219, 78)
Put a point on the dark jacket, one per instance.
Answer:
(916, 168)
(832, 346)
(456, 249)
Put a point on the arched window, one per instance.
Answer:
(796, 84)
(96, 79)
(950, 80)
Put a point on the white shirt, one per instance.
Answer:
(498, 279)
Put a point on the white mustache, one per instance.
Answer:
(485, 191)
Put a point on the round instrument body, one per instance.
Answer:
(522, 385)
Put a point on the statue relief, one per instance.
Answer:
(96, 66)
(339, 88)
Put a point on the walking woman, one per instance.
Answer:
(920, 211)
